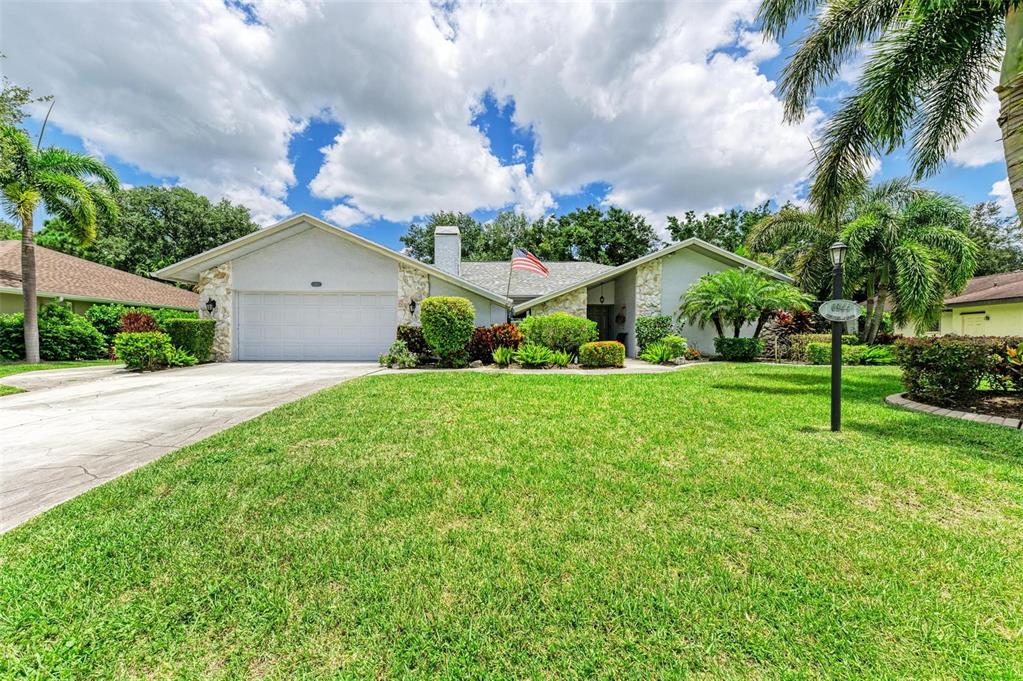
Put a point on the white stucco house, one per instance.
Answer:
(304, 289)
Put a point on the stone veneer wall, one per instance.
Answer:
(215, 283)
(413, 284)
(648, 288)
(573, 302)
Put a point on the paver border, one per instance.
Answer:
(900, 400)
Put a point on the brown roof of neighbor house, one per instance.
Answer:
(994, 287)
(59, 274)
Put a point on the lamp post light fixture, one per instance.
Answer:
(837, 252)
(211, 305)
(412, 307)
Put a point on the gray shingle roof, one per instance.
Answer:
(493, 276)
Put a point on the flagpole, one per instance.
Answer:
(507, 292)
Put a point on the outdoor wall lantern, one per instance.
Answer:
(211, 305)
(838, 250)
(412, 307)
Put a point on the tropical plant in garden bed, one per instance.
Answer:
(534, 356)
(653, 328)
(486, 339)
(149, 351)
(504, 356)
(398, 356)
(736, 297)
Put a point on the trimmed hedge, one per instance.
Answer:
(738, 349)
(149, 350)
(63, 336)
(447, 327)
(940, 370)
(558, 331)
(652, 329)
(798, 343)
(602, 354)
(194, 336)
(820, 353)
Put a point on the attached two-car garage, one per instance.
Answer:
(314, 326)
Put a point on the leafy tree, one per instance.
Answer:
(910, 257)
(612, 237)
(8, 232)
(75, 187)
(156, 226)
(727, 230)
(800, 239)
(999, 240)
(926, 74)
(736, 297)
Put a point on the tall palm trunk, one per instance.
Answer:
(874, 322)
(761, 320)
(28, 291)
(1010, 98)
(719, 325)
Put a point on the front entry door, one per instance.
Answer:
(602, 315)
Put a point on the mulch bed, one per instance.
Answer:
(994, 403)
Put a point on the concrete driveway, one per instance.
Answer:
(78, 428)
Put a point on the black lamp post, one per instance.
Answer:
(837, 257)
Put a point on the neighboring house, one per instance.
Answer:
(306, 290)
(988, 306)
(62, 277)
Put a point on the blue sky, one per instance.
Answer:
(511, 128)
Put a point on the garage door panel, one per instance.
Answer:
(301, 326)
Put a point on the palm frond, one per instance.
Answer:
(845, 158)
(776, 15)
(58, 160)
(916, 276)
(835, 37)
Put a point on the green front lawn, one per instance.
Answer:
(8, 368)
(469, 525)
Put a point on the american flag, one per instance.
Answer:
(524, 260)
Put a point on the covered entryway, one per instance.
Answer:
(315, 326)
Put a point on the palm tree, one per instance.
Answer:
(73, 187)
(909, 257)
(736, 297)
(801, 237)
(924, 80)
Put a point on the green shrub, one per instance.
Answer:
(602, 354)
(177, 357)
(533, 356)
(820, 353)
(106, 319)
(416, 343)
(145, 350)
(503, 356)
(692, 354)
(63, 336)
(658, 353)
(12, 337)
(738, 349)
(798, 343)
(399, 356)
(942, 369)
(163, 315)
(877, 355)
(560, 358)
(194, 336)
(558, 331)
(677, 344)
(652, 329)
(447, 327)
(1007, 362)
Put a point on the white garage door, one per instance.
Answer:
(315, 326)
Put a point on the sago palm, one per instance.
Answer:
(73, 187)
(737, 297)
(927, 70)
(909, 258)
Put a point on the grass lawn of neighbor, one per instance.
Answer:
(702, 522)
(9, 368)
